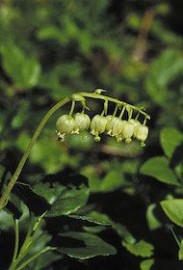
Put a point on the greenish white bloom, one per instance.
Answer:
(141, 132)
(98, 125)
(109, 123)
(127, 132)
(134, 122)
(65, 125)
(114, 127)
(82, 122)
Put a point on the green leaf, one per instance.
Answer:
(69, 201)
(49, 193)
(158, 167)
(99, 218)
(112, 181)
(34, 201)
(6, 220)
(164, 70)
(174, 210)
(180, 254)
(153, 222)
(141, 248)
(24, 70)
(170, 138)
(146, 264)
(87, 246)
(94, 218)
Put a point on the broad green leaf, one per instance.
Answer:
(69, 201)
(174, 210)
(146, 264)
(24, 70)
(141, 248)
(86, 246)
(158, 167)
(66, 198)
(170, 138)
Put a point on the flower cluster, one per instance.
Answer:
(122, 130)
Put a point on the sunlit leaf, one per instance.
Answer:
(174, 210)
(141, 248)
(180, 253)
(170, 139)
(158, 167)
(152, 220)
(146, 264)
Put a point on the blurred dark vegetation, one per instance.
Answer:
(133, 50)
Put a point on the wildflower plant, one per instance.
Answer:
(123, 129)
(112, 125)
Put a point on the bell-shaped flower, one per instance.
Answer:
(141, 132)
(97, 126)
(109, 124)
(82, 122)
(114, 127)
(65, 124)
(127, 132)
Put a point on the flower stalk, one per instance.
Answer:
(78, 97)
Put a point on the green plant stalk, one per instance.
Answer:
(35, 256)
(5, 196)
(26, 244)
(16, 258)
(16, 240)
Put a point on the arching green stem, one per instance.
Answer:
(5, 196)
(75, 97)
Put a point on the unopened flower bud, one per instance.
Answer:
(65, 124)
(82, 122)
(141, 133)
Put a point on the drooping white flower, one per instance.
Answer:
(97, 126)
(141, 132)
(82, 122)
(127, 132)
(65, 124)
